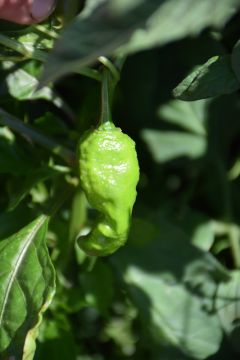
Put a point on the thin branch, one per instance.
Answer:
(111, 67)
(88, 72)
(29, 52)
(51, 34)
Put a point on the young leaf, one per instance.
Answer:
(213, 78)
(27, 284)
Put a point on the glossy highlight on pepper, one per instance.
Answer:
(109, 173)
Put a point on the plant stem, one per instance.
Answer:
(234, 240)
(91, 73)
(14, 45)
(57, 201)
(110, 66)
(31, 53)
(15, 124)
(232, 231)
(119, 62)
(51, 34)
(26, 52)
(92, 263)
(105, 103)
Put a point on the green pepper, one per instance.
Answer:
(109, 174)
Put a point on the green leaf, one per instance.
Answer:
(19, 190)
(27, 286)
(90, 7)
(58, 340)
(13, 158)
(98, 287)
(214, 78)
(131, 27)
(39, 38)
(228, 307)
(228, 301)
(235, 59)
(190, 16)
(168, 145)
(50, 124)
(89, 37)
(190, 116)
(11, 222)
(199, 228)
(23, 86)
(120, 330)
(173, 284)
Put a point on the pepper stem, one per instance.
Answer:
(106, 115)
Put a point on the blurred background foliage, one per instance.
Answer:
(172, 293)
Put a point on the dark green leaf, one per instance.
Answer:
(11, 222)
(98, 287)
(19, 190)
(13, 158)
(235, 58)
(138, 26)
(213, 78)
(59, 340)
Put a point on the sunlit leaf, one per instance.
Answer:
(173, 285)
(168, 145)
(27, 287)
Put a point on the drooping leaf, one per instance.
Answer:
(190, 16)
(214, 78)
(91, 36)
(27, 287)
(138, 26)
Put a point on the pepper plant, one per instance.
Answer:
(86, 274)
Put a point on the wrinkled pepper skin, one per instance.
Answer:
(109, 174)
